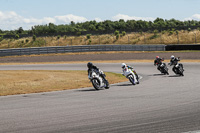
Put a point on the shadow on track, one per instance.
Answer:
(157, 74)
(125, 84)
(174, 76)
(86, 90)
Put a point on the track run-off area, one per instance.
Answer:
(160, 103)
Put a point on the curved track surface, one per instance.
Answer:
(160, 103)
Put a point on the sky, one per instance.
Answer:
(27, 13)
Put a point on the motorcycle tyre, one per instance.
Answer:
(181, 74)
(132, 80)
(107, 85)
(94, 85)
(166, 73)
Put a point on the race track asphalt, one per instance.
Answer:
(160, 103)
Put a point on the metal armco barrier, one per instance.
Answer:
(86, 48)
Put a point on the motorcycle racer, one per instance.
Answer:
(158, 62)
(97, 77)
(174, 61)
(96, 69)
(129, 67)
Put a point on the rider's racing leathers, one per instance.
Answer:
(129, 67)
(158, 62)
(97, 70)
(174, 62)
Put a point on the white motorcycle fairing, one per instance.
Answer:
(130, 75)
(97, 81)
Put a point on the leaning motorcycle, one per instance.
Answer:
(163, 68)
(178, 68)
(97, 81)
(130, 75)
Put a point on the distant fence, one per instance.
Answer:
(69, 49)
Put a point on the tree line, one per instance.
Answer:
(107, 26)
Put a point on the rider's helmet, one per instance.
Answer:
(157, 57)
(123, 65)
(89, 64)
(172, 57)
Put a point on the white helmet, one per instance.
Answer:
(123, 65)
(172, 57)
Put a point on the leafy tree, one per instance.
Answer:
(155, 32)
(58, 37)
(17, 36)
(123, 33)
(158, 20)
(78, 33)
(27, 40)
(117, 36)
(34, 38)
(20, 30)
(92, 27)
(52, 28)
(90, 41)
(88, 36)
(177, 32)
(72, 23)
(171, 32)
(106, 26)
(155, 35)
(116, 32)
(1, 38)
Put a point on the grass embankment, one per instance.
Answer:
(165, 37)
(24, 82)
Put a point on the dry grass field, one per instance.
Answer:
(24, 82)
(165, 37)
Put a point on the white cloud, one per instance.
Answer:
(69, 18)
(126, 17)
(9, 17)
(98, 19)
(11, 20)
(194, 17)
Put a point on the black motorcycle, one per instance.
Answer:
(162, 67)
(177, 68)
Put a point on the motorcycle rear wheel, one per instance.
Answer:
(107, 84)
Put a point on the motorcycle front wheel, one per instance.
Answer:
(96, 83)
(131, 79)
(166, 71)
(181, 72)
